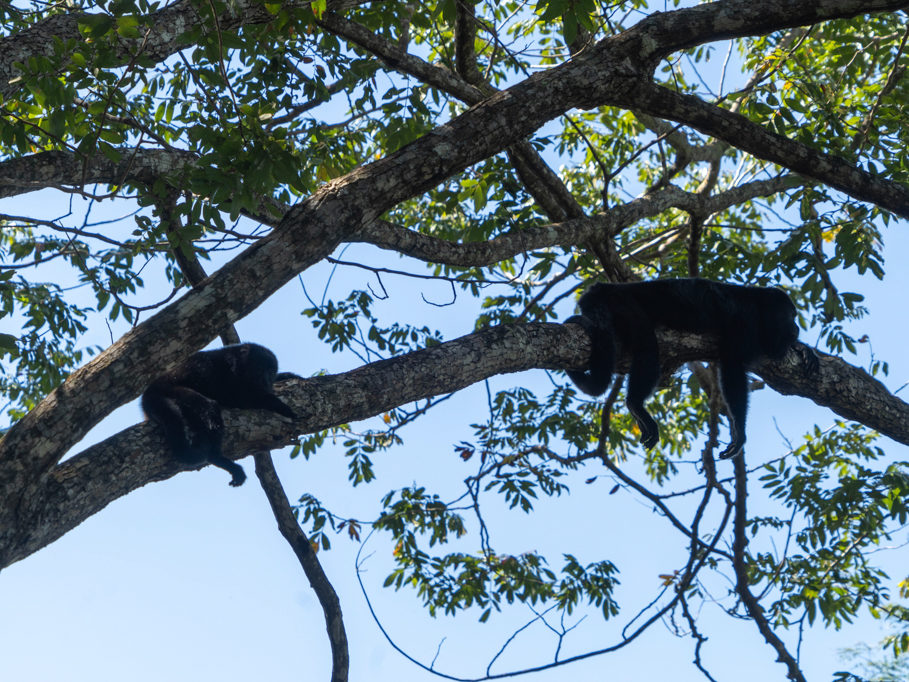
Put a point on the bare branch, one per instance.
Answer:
(752, 605)
(306, 555)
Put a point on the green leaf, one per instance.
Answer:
(319, 7)
(96, 24)
(7, 344)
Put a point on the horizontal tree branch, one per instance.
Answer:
(165, 33)
(85, 484)
(387, 235)
(69, 169)
(716, 21)
(62, 168)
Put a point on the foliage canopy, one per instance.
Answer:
(196, 157)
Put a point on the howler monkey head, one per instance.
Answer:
(778, 326)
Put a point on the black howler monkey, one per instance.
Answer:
(748, 322)
(186, 401)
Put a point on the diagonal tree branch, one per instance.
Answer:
(744, 134)
(306, 555)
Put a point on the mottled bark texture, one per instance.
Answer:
(39, 499)
(86, 483)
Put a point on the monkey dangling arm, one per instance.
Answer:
(186, 402)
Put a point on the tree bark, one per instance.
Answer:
(85, 484)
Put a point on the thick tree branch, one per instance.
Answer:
(711, 22)
(540, 181)
(165, 30)
(162, 33)
(86, 483)
(68, 169)
(847, 390)
(737, 130)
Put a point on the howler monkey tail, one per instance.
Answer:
(598, 375)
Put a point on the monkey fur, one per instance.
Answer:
(186, 402)
(748, 322)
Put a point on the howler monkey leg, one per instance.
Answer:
(205, 427)
(203, 419)
(166, 413)
(734, 384)
(642, 379)
(596, 379)
(190, 421)
(238, 476)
